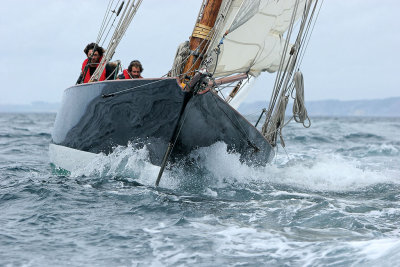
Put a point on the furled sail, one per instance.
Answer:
(254, 42)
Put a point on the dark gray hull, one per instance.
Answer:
(146, 114)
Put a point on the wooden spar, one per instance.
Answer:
(230, 79)
(201, 35)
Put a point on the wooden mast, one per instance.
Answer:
(201, 36)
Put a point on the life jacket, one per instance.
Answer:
(127, 76)
(87, 76)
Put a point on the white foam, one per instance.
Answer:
(325, 172)
(385, 149)
(124, 161)
(331, 172)
(379, 249)
(249, 242)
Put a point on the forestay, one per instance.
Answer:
(254, 42)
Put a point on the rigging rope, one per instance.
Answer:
(299, 109)
(104, 25)
(312, 29)
(127, 15)
(181, 56)
(274, 121)
(279, 79)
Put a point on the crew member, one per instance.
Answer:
(94, 54)
(134, 71)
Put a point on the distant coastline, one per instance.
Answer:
(34, 107)
(388, 107)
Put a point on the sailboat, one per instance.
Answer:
(233, 41)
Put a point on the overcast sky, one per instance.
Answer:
(353, 53)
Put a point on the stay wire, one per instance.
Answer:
(111, 26)
(280, 75)
(104, 19)
(286, 76)
(305, 35)
(312, 30)
(103, 24)
(107, 24)
(131, 88)
(124, 21)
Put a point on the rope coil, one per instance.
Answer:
(299, 110)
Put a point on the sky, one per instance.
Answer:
(353, 52)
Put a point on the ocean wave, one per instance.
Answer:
(361, 136)
(370, 150)
(17, 136)
(383, 149)
(331, 172)
(214, 167)
(122, 162)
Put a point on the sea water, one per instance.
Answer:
(330, 198)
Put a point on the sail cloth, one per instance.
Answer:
(254, 42)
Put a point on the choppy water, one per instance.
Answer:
(331, 199)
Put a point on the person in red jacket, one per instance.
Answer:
(134, 71)
(94, 54)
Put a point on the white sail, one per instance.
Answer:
(242, 94)
(255, 40)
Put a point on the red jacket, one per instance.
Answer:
(127, 76)
(87, 76)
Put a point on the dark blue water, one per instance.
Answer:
(332, 198)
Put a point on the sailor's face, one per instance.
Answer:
(135, 72)
(95, 56)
